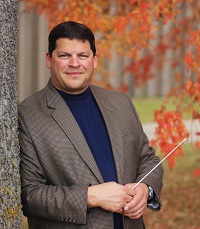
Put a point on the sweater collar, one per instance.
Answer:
(77, 97)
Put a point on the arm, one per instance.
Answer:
(147, 160)
(43, 196)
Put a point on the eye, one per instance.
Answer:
(64, 56)
(83, 56)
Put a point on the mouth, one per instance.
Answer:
(74, 74)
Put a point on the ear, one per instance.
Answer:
(95, 61)
(48, 60)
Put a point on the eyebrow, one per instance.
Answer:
(64, 52)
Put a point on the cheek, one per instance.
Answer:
(89, 65)
(59, 65)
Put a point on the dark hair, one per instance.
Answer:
(71, 30)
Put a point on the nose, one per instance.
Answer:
(73, 61)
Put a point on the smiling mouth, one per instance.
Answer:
(74, 74)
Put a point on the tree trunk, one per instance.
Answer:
(10, 202)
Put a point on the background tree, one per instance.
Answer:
(10, 188)
(131, 28)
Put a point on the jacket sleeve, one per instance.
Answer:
(147, 160)
(41, 199)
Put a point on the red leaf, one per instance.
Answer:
(197, 145)
(196, 173)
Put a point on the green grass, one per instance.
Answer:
(146, 107)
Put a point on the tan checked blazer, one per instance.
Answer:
(57, 165)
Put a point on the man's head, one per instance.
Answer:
(72, 57)
(71, 30)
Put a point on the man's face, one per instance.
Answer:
(71, 65)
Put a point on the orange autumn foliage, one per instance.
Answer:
(169, 132)
(129, 26)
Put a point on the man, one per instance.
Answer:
(83, 147)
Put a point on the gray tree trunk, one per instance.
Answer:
(10, 202)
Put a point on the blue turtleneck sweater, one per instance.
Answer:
(89, 118)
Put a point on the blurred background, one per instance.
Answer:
(149, 50)
(141, 72)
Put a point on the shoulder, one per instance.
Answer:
(40, 97)
(38, 107)
(32, 100)
(116, 98)
(110, 94)
(38, 102)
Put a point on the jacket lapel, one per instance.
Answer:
(112, 123)
(68, 124)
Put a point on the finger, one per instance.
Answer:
(132, 204)
(141, 206)
(138, 201)
(130, 190)
(135, 215)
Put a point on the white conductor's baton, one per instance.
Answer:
(158, 164)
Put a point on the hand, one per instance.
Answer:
(135, 208)
(110, 196)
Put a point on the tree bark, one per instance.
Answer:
(10, 202)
